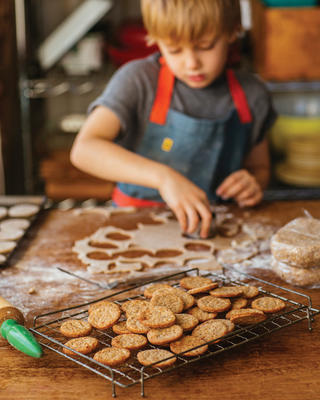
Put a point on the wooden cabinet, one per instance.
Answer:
(11, 138)
(286, 43)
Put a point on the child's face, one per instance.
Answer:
(198, 64)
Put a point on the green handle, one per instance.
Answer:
(20, 338)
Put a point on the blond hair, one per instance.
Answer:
(187, 21)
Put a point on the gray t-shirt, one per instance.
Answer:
(131, 91)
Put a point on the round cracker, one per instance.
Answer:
(187, 344)
(186, 321)
(246, 316)
(157, 317)
(105, 317)
(135, 326)
(227, 291)
(148, 357)
(250, 291)
(200, 314)
(75, 328)
(23, 210)
(210, 330)
(168, 300)
(99, 304)
(120, 327)
(83, 345)
(213, 304)
(17, 223)
(268, 304)
(163, 336)
(11, 234)
(148, 292)
(3, 212)
(112, 356)
(236, 304)
(133, 307)
(192, 282)
(130, 341)
(7, 246)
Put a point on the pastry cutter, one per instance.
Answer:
(12, 329)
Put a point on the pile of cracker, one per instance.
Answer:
(166, 321)
(295, 252)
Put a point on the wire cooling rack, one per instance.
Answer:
(298, 308)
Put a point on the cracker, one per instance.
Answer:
(192, 282)
(187, 344)
(236, 304)
(213, 304)
(148, 292)
(227, 291)
(135, 326)
(99, 304)
(268, 304)
(7, 246)
(75, 328)
(210, 330)
(186, 321)
(202, 289)
(23, 210)
(157, 317)
(188, 300)
(3, 212)
(250, 291)
(163, 336)
(133, 307)
(148, 357)
(11, 234)
(83, 345)
(168, 300)
(246, 316)
(200, 314)
(120, 328)
(130, 341)
(112, 356)
(229, 325)
(104, 317)
(17, 223)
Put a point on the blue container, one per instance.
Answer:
(290, 3)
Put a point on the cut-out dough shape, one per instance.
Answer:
(146, 238)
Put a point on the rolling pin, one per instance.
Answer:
(12, 329)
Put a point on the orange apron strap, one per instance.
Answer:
(162, 100)
(123, 200)
(239, 97)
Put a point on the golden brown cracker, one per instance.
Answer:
(130, 341)
(112, 356)
(186, 344)
(163, 336)
(74, 328)
(83, 345)
(213, 304)
(148, 357)
(268, 304)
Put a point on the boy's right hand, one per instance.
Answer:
(189, 203)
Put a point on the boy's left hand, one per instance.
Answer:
(242, 187)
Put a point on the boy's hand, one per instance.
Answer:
(189, 203)
(242, 187)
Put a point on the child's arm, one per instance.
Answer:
(246, 185)
(95, 153)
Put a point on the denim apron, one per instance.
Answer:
(205, 151)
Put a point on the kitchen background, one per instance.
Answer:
(57, 56)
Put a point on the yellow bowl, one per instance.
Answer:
(289, 127)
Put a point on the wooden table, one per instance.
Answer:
(284, 365)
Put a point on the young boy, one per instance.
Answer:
(179, 128)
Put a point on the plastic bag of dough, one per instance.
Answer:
(298, 243)
(309, 278)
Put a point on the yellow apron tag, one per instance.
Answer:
(167, 144)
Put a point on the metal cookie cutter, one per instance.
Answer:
(212, 231)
